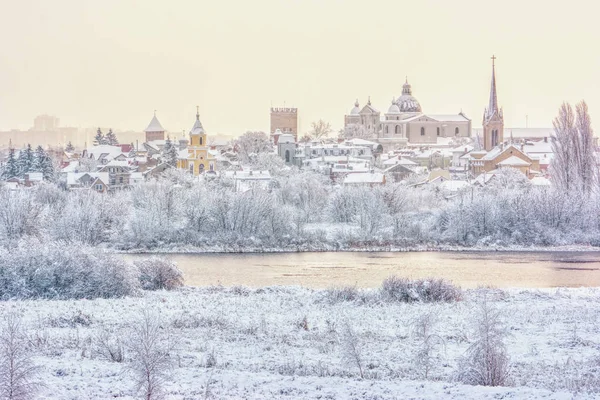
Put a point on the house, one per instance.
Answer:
(503, 156)
(97, 181)
(399, 168)
(369, 179)
(119, 174)
(245, 180)
(103, 154)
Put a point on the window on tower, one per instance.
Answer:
(422, 131)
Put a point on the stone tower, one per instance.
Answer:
(493, 118)
(286, 120)
(154, 131)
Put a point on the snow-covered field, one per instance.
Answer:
(286, 342)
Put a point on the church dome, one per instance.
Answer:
(355, 110)
(407, 102)
(394, 109)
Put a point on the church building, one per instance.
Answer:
(404, 123)
(196, 158)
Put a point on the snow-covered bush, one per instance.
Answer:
(486, 362)
(405, 290)
(159, 274)
(34, 270)
(18, 374)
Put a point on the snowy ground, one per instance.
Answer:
(285, 342)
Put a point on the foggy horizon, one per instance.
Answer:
(112, 64)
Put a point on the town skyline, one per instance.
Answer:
(112, 65)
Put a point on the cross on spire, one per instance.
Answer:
(198, 113)
(493, 60)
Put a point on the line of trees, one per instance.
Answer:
(28, 161)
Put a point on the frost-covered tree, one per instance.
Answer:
(111, 138)
(250, 144)
(151, 347)
(99, 139)
(69, 148)
(18, 374)
(11, 168)
(573, 167)
(169, 153)
(352, 131)
(133, 151)
(320, 129)
(43, 163)
(486, 362)
(25, 161)
(19, 215)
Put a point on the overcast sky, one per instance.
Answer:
(112, 62)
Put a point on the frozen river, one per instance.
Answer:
(322, 270)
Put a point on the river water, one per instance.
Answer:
(323, 270)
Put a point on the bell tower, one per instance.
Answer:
(493, 117)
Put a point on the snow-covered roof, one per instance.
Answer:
(197, 129)
(364, 177)
(248, 175)
(521, 133)
(74, 177)
(399, 161)
(154, 125)
(104, 151)
(540, 181)
(454, 186)
(448, 117)
(514, 161)
(35, 176)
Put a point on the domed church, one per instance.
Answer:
(403, 123)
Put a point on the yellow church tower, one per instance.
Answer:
(199, 159)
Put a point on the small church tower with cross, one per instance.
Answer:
(493, 118)
(198, 158)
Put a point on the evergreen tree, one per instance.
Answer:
(170, 153)
(111, 138)
(132, 152)
(25, 161)
(99, 139)
(43, 163)
(10, 168)
(70, 148)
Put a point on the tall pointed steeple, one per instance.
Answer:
(493, 120)
(493, 104)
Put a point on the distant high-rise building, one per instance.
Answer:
(45, 123)
(154, 131)
(284, 120)
(493, 117)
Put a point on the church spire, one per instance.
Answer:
(493, 105)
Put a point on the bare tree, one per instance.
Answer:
(487, 362)
(351, 348)
(430, 343)
(573, 165)
(250, 144)
(18, 374)
(320, 129)
(151, 347)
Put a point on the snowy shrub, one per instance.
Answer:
(19, 214)
(339, 294)
(486, 362)
(159, 274)
(18, 374)
(429, 343)
(109, 345)
(405, 290)
(53, 271)
(151, 347)
(351, 347)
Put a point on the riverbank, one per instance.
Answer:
(288, 342)
(187, 249)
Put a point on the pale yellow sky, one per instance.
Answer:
(112, 62)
